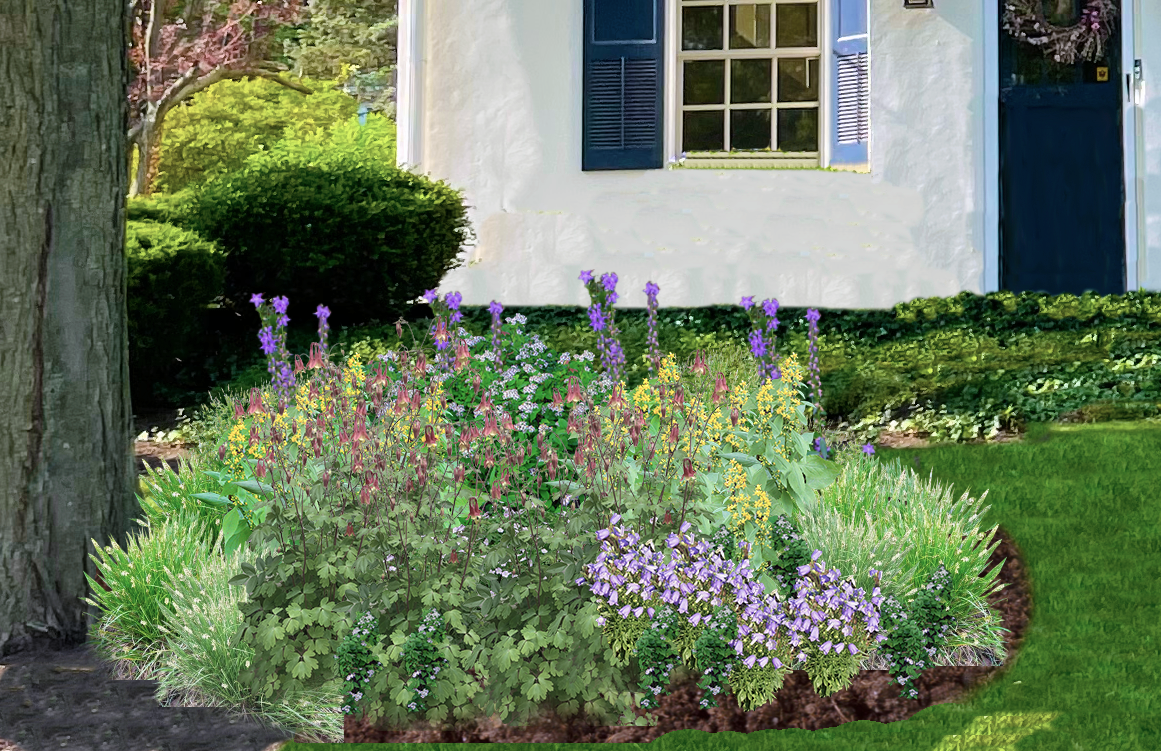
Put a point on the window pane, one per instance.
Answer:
(703, 131)
(750, 81)
(797, 79)
(749, 27)
(705, 82)
(796, 25)
(749, 129)
(798, 130)
(701, 28)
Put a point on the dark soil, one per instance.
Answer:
(55, 696)
(873, 694)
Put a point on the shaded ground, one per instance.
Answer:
(67, 699)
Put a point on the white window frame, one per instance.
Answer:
(673, 101)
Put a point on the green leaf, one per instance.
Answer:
(213, 499)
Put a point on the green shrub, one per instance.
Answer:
(214, 131)
(324, 227)
(172, 275)
(163, 208)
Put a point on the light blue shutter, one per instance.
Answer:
(850, 101)
(623, 75)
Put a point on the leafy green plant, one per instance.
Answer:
(214, 132)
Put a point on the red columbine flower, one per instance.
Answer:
(462, 357)
(458, 474)
(473, 508)
(673, 437)
(734, 415)
(687, 470)
(401, 402)
(260, 470)
(574, 394)
(668, 519)
(617, 401)
(490, 428)
(222, 452)
(720, 387)
(350, 529)
(454, 558)
(428, 436)
(485, 405)
(557, 402)
(315, 360)
(699, 364)
(298, 366)
(256, 401)
(421, 365)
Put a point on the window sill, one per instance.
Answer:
(808, 163)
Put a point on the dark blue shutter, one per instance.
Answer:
(850, 102)
(623, 68)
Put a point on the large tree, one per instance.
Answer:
(361, 34)
(66, 461)
(178, 50)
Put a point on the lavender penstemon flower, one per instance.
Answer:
(601, 317)
(818, 414)
(757, 342)
(651, 291)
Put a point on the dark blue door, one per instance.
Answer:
(1062, 190)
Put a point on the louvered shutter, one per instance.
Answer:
(850, 101)
(623, 69)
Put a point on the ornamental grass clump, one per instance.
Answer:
(766, 633)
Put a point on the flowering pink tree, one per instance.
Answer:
(174, 59)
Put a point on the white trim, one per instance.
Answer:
(672, 34)
(826, 50)
(409, 91)
(991, 96)
(1129, 132)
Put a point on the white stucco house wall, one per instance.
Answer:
(910, 151)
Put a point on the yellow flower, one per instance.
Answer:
(305, 407)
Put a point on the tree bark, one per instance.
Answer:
(66, 473)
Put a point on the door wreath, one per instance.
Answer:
(1083, 40)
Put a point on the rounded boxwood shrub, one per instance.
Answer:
(173, 274)
(323, 226)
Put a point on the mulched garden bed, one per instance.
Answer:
(872, 695)
(66, 697)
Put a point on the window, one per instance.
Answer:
(749, 80)
(749, 77)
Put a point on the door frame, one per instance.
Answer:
(1130, 104)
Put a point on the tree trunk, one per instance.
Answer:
(148, 145)
(66, 475)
